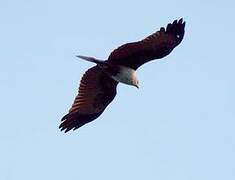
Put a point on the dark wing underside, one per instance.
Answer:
(155, 46)
(96, 91)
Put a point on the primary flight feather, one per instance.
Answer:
(98, 84)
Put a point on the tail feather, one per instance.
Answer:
(90, 59)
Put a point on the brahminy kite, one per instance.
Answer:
(98, 84)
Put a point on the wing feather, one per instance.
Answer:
(96, 91)
(155, 46)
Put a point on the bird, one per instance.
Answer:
(98, 84)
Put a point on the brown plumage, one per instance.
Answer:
(96, 91)
(155, 46)
(98, 85)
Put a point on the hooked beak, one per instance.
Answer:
(137, 86)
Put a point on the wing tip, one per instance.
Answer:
(67, 123)
(177, 28)
(73, 121)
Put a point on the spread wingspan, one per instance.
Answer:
(96, 91)
(155, 46)
(97, 88)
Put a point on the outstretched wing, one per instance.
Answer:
(95, 93)
(155, 46)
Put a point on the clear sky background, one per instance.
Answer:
(180, 123)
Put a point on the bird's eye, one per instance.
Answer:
(178, 36)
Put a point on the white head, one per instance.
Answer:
(135, 81)
(127, 75)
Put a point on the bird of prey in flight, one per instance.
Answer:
(98, 84)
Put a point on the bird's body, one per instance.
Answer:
(98, 85)
(119, 73)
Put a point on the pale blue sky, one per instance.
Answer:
(180, 123)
